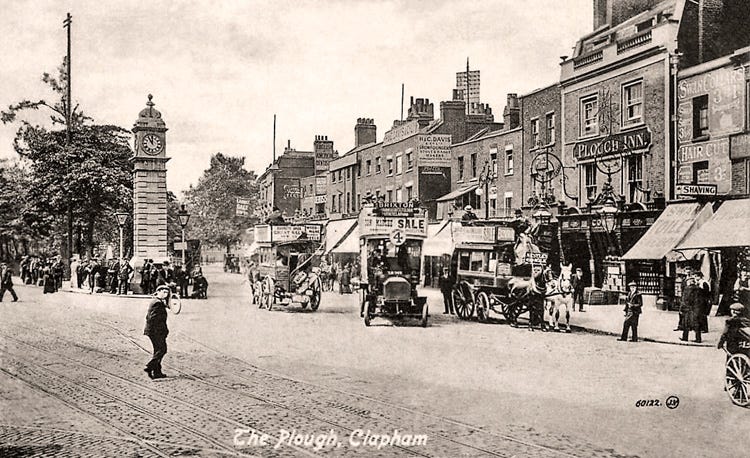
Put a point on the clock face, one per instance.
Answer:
(151, 144)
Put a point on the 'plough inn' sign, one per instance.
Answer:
(621, 143)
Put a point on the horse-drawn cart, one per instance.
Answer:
(285, 265)
(391, 237)
(493, 268)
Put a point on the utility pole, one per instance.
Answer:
(467, 86)
(67, 24)
(402, 101)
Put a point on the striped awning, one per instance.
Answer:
(671, 227)
(729, 227)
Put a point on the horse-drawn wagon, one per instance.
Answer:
(497, 270)
(391, 237)
(285, 265)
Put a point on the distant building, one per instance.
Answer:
(486, 170)
(279, 184)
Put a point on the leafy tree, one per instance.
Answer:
(87, 180)
(213, 201)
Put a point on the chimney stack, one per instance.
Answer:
(365, 132)
(512, 112)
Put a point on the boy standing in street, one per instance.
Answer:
(156, 330)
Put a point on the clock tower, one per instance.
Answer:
(149, 189)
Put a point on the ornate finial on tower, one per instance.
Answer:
(150, 116)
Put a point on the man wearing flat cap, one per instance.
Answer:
(633, 306)
(156, 330)
(732, 336)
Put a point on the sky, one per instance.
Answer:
(220, 70)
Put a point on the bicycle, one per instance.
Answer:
(174, 303)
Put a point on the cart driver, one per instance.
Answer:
(731, 335)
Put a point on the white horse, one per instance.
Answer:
(560, 298)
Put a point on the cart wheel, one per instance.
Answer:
(315, 298)
(464, 306)
(483, 307)
(738, 379)
(425, 314)
(175, 304)
(367, 313)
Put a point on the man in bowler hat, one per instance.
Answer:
(633, 306)
(156, 330)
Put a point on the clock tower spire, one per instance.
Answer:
(149, 189)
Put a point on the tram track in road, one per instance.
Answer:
(409, 410)
(354, 412)
(126, 434)
(217, 447)
(269, 401)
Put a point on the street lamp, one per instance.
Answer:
(486, 177)
(184, 218)
(543, 216)
(608, 215)
(122, 218)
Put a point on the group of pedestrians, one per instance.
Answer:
(41, 271)
(330, 273)
(99, 276)
(154, 275)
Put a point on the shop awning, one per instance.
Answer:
(336, 231)
(676, 222)
(457, 193)
(439, 239)
(729, 227)
(350, 243)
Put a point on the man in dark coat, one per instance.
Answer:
(578, 284)
(446, 287)
(633, 308)
(200, 287)
(6, 282)
(146, 277)
(124, 277)
(156, 330)
(182, 279)
(691, 309)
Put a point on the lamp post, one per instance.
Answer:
(543, 216)
(609, 212)
(184, 218)
(122, 218)
(486, 177)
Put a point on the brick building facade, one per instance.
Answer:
(413, 161)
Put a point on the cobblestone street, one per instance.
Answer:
(72, 384)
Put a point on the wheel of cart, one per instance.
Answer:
(316, 288)
(737, 378)
(463, 300)
(483, 306)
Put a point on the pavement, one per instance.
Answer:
(654, 326)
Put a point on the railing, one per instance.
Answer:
(633, 42)
(588, 59)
